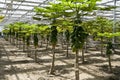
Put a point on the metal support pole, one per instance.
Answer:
(114, 21)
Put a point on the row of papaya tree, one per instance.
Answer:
(31, 34)
(19, 31)
(70, 12)
(66, 17)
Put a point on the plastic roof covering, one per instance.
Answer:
(19, 10)
(22, 10)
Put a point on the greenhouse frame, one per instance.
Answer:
(59, 39)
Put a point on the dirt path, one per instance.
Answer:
(15, 65)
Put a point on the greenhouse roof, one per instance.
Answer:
(22, 10)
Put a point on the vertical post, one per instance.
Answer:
(114, 18)
(76, 66)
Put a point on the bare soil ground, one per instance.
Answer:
(15, 65)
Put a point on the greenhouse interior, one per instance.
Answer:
(59, 39)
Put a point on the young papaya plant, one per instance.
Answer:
(23, 39)
(77, 41)
(42, 38)
(6, 34)
(10, 27)
(17, 38)
(43, 31)
(29, 30)
(109, 53)
(67, 35)
(47, 38)
(109, 48)
(35, 38)
(28, 43)
(53, 40)
(47, 32)
(32, 30)
(17, 26)
(51, 13)
(104, 24)
(60, 36)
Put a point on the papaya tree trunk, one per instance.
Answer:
(83, 57)
(76, 66)
(109, 61)
(28, 54)
(102, 46)
(85, 45)
(6, 37)
(10, 38)
(53, 60)
(47, 44)
(17, 42)
(14, 40)
(35, 54)
(62, 42)
(67, 49)
(41, 43)
(23, 46)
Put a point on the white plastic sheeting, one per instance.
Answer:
(22, 10)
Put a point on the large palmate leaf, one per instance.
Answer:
(78, 37)
(53, 36)
(109, 35)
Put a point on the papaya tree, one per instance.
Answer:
(28, 43)
(99, 24)
(6, 33)
(109, 53)
(13, 34)
(10, 32)
(47, 35)
(80, 6)
(109, 47)
(35, 38)
(18, 27)
(67, 35)
(78, 34)
(10, 29)
(104, 25)
(26, 32)
(47, 38)
(61, 36)
(22, 33)
(53, 40)
(77, 39)
(15, 29)
(16, 35)
(51, 13)
(43, 32)
(19, 33)
(88, 27)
